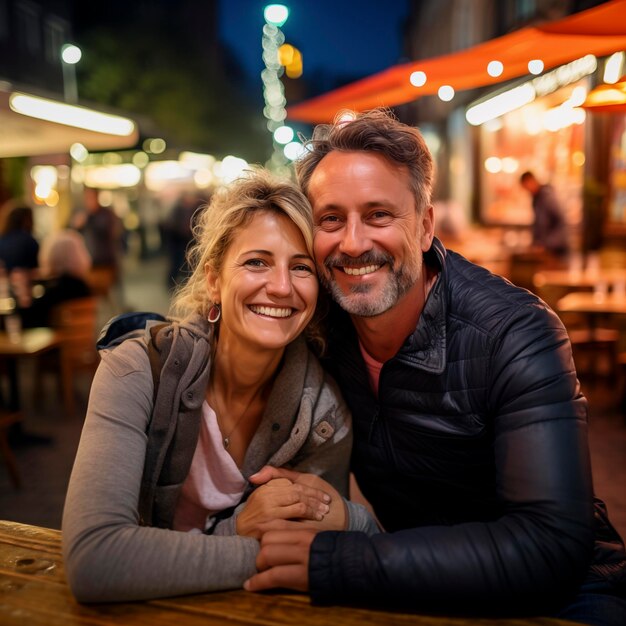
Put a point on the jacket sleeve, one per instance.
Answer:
(108, 556)
(328, 455)
(536, 552)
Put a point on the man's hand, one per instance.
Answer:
(278, 500)
(335, 519)
(283, 561)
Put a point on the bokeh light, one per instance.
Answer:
(283, 134)
(71, 54)
(294, 150)
(276, 14)
(445, 93)
(418, 79)
(495, 68)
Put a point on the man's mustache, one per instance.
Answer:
(367, 258)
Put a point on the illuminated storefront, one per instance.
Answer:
(546, 130)
(537, 125)
(67, 148)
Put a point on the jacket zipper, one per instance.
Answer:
(376, 419)
(373, 423)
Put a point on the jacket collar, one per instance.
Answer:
(426, 347)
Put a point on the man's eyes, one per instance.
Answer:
(329, 222)
(333, 221)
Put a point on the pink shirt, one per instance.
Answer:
(373, 368)
(214, 482)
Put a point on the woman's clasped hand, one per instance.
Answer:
(287, 500)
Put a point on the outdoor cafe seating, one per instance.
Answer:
(65, 349)
(591, 302)
(74, 322)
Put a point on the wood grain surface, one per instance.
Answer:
(34, 592)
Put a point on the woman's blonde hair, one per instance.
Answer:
(230, 210)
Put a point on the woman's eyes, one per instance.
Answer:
(299, 268)
(303, 268)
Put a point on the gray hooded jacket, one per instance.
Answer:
(109, 555)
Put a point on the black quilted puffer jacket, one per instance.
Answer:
(474, 457)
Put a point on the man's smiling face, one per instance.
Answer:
(367, 231)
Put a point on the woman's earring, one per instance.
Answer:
(214, 314)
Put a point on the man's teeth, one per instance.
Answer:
(359, 271)
(271, 311)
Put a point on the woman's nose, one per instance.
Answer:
(279, 283)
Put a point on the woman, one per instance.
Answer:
(18, 247)
(246, 391)
(64, 265)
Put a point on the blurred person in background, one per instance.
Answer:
(64, 264)
(550, 231)
(177, 231)
(18, 247)
(146, 517)
(103, 232)
(470, 428)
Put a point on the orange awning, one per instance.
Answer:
(607, 98)
(599, 31)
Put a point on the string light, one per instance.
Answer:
(418, 79)
(446, 93)
(273, 90)
(495, 68)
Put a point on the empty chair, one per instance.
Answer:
(75, 322)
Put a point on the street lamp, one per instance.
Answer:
(70, 56)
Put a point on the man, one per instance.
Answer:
(469, 425)
(549, 226)
(103, 232)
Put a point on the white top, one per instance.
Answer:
(214, 482)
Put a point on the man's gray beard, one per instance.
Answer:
(397, 285)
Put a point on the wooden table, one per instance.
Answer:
(597, 308)
(30, 343)
(33, 591)
(593, 304)
(580, 279)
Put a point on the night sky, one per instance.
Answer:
(340, 40)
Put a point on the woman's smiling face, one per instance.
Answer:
(267, 287)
